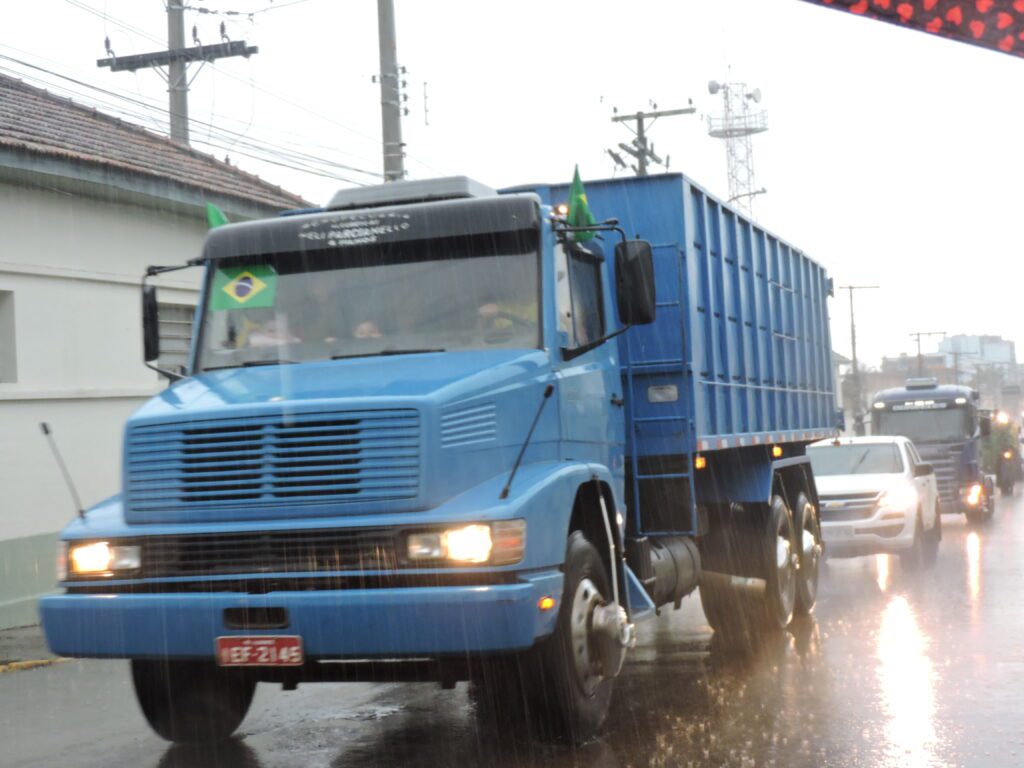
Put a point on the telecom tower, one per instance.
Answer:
(736, 125)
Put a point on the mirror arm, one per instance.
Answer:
(612, 225)
(154, 271)
(172, 375)
(572, 354)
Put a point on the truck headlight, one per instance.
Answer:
(972, 495)
(101, 558)
(498, 543)
(900, 498)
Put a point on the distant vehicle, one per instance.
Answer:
(877, 496)
(1001, 452)
(947, 427)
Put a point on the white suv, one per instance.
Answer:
(877, 496)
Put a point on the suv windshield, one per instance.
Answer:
(924, 426)
(379, 299)
(862, 459)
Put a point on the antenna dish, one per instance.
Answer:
(756, 95)
(714, 87)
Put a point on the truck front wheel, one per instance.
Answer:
(186, 701)
(571, 688)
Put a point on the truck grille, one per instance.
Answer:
(840, 508)
(946, 462)
(269, 552)
(262, 460)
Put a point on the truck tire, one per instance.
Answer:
(758, 544)
(563, 685)
(808, 533)
(186, 701)
(983, 513)
(932, 537)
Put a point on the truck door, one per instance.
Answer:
(589, 388)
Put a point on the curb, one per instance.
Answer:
(17, 666)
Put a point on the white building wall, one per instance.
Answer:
(73, 267)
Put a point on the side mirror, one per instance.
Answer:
(634, 282)
(150, 325)
(840, 419)
(985, 426)
(923, 470)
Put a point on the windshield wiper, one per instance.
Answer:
(387, 352)
(254, 363)
(248, 364)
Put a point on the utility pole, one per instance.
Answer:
(177, 58)
(858, 416)
(639, 149)
(390, 93)
(920, 359)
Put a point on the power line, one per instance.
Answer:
(147, 105)
(249, 14)
(272, 94)
(225, 138)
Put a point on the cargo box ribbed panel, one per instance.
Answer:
(266, 460)
(739, 353)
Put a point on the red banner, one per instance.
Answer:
(996, 24)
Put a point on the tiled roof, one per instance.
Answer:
(36, 121)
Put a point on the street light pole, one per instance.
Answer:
(920, 358)
(858, 416)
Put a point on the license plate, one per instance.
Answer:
(259, 651)
(836, 532)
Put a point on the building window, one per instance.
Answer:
(8, 350)
(175, 335)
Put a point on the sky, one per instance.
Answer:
(892, 157)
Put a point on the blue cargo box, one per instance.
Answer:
(740, 353)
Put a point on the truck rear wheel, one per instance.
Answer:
(186, 701)
(756, 544)
(808, 533)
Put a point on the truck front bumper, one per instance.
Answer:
(333, 624)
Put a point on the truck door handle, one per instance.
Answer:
(617, 401)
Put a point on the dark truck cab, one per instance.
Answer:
(946, 424)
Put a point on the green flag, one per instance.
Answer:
(579, 211)
(215, 216)
(244, 287)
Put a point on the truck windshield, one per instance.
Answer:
(378, 299)
(924, 426)
(857, 459)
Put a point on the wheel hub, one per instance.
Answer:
(786, 564)
(585, 657)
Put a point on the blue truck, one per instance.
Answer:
(947, 426)
(433, 432)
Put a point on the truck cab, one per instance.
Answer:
(946, 425)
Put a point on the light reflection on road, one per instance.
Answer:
(906, 678)
(882, 571)
(974, 568)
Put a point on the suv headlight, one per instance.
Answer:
(101, 558)
(899, 499)
(498, 543)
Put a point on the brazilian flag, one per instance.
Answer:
(215, 216)
(579, 211)
(244, 287)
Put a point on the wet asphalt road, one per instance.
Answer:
(893, 670)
